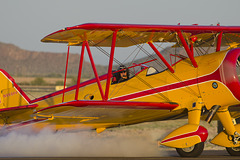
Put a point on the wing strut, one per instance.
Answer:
(110, 65)
(80, 71)
(94, 70)
(161, 57)
(109, 75)
(65, 78)
(85, 44)
(190, 54)
(219, 41)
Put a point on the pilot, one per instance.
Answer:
(122, 75)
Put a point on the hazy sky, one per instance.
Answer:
(25, 22)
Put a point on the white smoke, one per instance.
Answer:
(110, 143)
(133, 141)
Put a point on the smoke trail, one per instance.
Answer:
(117, 143)
(133, 141)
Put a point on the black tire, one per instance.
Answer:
(233, 151)
(193, 151)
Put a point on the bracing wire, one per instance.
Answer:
(157, 61)
(130, 55)
(139, 78)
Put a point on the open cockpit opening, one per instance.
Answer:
(124, 73)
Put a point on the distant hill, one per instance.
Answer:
(20, 62)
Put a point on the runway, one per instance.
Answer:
(208, 154)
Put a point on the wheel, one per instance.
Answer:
(233, 151)
(193, 151)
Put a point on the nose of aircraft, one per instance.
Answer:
(230, 71)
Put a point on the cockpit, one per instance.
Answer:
(124, 73)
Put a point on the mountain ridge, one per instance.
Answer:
(20, 62)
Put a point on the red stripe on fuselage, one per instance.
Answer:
(214, 76)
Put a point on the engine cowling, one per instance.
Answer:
(230, 71)
(222, 85)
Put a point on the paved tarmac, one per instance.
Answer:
(206, 155)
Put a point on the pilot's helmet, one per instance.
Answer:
(122, 67)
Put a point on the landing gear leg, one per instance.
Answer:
(194, 115)
(234, 151)
(189, 139)
(230, 129)
(226, 121)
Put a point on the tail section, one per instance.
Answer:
(11, 94)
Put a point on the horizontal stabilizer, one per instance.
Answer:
(17, 114)
(22, 108)
(25, 123)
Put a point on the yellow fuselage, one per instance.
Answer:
(184, 87)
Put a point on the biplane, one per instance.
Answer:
(196, 85)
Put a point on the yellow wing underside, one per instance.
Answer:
(104, 38)
(126, 38)
(69, 117)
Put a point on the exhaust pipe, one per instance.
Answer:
(212, 113)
